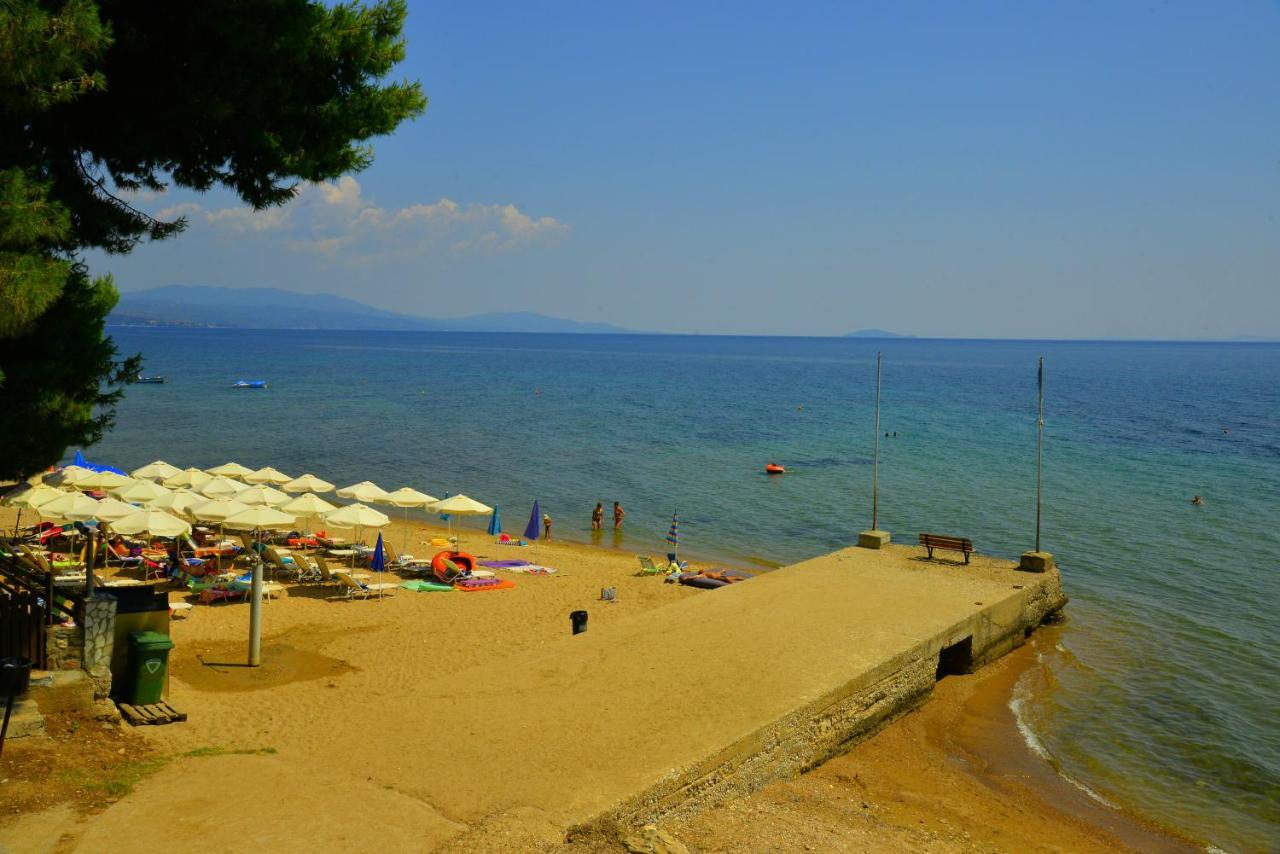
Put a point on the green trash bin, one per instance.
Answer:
(149, 666)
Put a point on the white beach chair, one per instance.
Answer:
(353, 589)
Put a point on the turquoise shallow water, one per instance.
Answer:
(1165, 691)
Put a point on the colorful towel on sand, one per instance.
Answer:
(426, 586)
(475, 585)
(504, 564)
(532, 569)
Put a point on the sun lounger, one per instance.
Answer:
(648, 567)
(328, 574)
(353, 589)
(395, 560)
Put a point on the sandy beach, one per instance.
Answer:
(285, 742)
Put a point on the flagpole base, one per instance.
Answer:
(874, 539)
(1036, 562)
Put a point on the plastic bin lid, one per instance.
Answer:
(151, 640)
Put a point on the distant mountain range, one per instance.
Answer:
(273, 308)
(875, 333)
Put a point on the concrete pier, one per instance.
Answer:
(717, 695)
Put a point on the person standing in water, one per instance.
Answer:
(597, 516)
(618, 513)
(546, 526)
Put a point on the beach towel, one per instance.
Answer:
(426, 586)
(504, 564)
(475, 585)
(529, 569)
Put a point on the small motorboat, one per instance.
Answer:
(249, 384)
(149, 380)
(774, 468)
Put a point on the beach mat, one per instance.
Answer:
(426, 586)
(504, 564)
(504, 584)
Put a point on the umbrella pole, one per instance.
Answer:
(255, 607)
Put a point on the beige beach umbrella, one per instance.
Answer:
(217, 509)
(111, 509)
(364, 491)
(220, 487)
(157, 523)
(189, 478)
(67, 476)
(142, 491)
(257, 518)
(267, 474)
(178, 501)
(230, 470)
(406, 498)
(103, 480)
(31, 495)
(262, 496)
(70, 507)
(307, 483)
(307, 505)
(359, 517)
(460, 505)
(157, 470)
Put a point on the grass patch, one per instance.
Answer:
(116, 781)
(201, 752)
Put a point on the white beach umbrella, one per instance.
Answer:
(406, 498)
(111, 509)
(103, 480)
(364, 491)
(307, 483)
(308, 504)
(359, 517)
(31, 495)
(157, 470)
(267, 474)
(70, 507)
(141, 491)
(178, 501)
(189, 478)
(262, 495)
(217, 509)
(67, 476)
(154, 522)
(230, 470)
(460, 505)
(220, 487)
(260, 517)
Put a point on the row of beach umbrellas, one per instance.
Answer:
(231, 494)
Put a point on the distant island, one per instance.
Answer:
(875, 333)
(275, 308)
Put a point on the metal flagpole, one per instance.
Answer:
(875, 465)
(1039, 448)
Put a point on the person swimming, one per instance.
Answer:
(1198, 500)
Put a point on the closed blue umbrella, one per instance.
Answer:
(379, 561)
(535, 520)
(495, 523)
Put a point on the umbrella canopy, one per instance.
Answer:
(31, 495)
(178, 501)
(103, 480)
(217, 509)
(267, 475)
(220, 487)
(307, 483)
(378, 563)
(190, 478)
(357, 516)
(260, 517)
(673, 533)
(143, 491)
(111, 509)
(70, 506)
(535, 523)
(230, 470)
(461, 505)
(406, 497)
(495, 522)
(157, 470)
(262, 495)
(155, 522)
(363, 491)
(308, 504)
(67, 475)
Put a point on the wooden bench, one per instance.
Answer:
(957, 544)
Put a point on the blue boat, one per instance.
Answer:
(249, 384)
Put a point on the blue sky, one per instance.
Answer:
(1017, 169)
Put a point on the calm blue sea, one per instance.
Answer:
(1165, 692)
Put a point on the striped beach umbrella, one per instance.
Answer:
(673, 533)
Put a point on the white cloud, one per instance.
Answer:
(335, 220)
